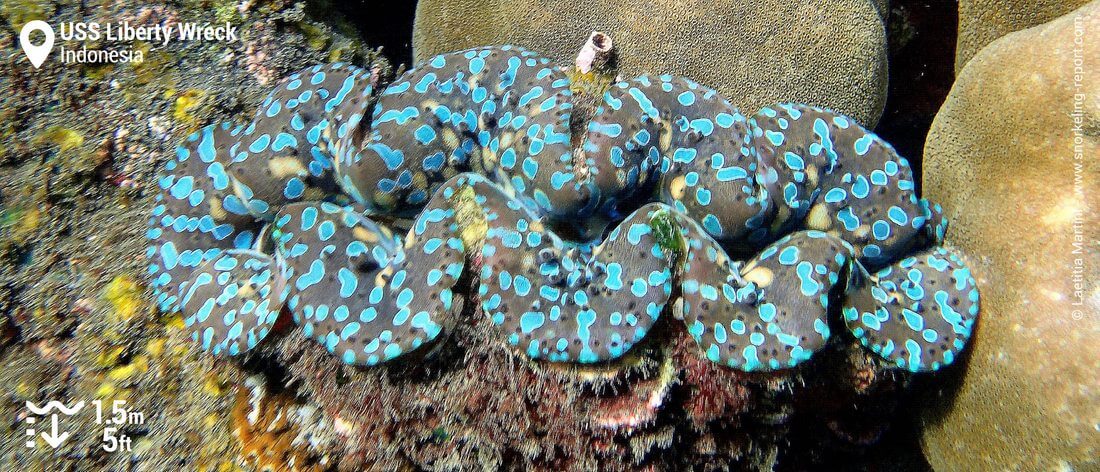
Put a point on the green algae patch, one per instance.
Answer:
(65, 139)
(185, 105)
(667, 232)
(316, 37)
(126, 297)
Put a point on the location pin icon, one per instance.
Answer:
(37, 54)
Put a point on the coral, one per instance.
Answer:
(17, 225)
(352, 285)
(185, 105)
(276, 433)
(497, 413)
(1029, 399)
(65, 139)
(19, 12)
(662, 406)
(983, 21)
(125, 296)
(831, 54)
(68, 226)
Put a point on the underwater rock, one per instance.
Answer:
(1008, 157)
(770, 52)
(662, 407)
(983, 21)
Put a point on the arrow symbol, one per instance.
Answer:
(54, 439)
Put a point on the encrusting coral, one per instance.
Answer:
(1030, 396)
(828, 53)
(983, 21)
(479, 143)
